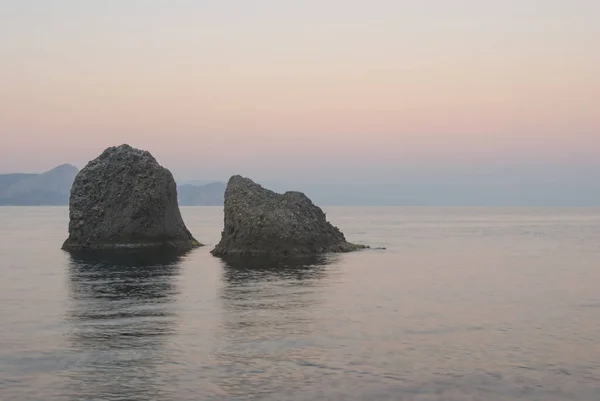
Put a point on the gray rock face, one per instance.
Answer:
(260, 222)
(125, 199)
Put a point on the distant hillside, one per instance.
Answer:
(53, 188)
(201, 195)
(197, 183)
(6, 180)
(50, 188)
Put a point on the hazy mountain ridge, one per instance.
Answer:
(51, 188)
(6, 180)
(201, 195)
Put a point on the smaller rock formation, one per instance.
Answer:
(260, 222)
(125, 199)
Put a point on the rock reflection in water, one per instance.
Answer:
(123, 309)
(241, 271)
(269, 319)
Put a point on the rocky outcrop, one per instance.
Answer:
(125, 199)
(260, 222)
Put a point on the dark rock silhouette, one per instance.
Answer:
(125, 200)
(260, 222)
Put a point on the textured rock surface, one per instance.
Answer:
(125, 199)
(260, 222)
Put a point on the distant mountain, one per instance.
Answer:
(53, 188)
(6, 180)
(197, 183)
(50, 188)
(201, 195)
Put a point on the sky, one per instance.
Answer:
(308, 92)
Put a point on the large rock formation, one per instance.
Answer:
(125, 199)
(260, 222)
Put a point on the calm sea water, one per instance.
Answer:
(465, 304)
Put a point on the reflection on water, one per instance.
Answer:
(303, 271)
(122, 310)
(466, 304)
(268, 322)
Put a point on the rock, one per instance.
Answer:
(260, 222)
(125, 200)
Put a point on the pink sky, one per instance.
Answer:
(215, 88)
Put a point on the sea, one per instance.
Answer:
(463, 304)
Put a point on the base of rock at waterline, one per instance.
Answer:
(184, 245)
(344, 247)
